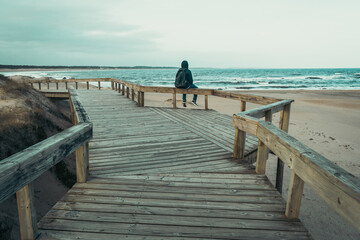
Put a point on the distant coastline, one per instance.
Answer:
(14, 68)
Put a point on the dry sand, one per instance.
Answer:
(326, 121)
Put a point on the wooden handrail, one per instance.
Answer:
(24, 167)
(339, 188)
(18, 171)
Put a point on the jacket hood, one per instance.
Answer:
(185, 64)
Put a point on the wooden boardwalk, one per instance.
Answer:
(160, 173)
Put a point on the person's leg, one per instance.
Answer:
(195, 95)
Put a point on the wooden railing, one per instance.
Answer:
(339, 188)
(18, 171)
(66, 82)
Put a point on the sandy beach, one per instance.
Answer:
(328, 122)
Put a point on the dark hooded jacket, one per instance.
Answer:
(188, 74)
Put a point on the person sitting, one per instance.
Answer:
(189, 81)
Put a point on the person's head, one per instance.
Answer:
(185, 64)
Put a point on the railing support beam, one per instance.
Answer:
(283, 125)
(263, 150)
(174, 98)
(81, 155)
(206, 102)
(239, 144)
(293, 205)
(26, 212)
(243, 106)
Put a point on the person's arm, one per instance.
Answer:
(190, 78)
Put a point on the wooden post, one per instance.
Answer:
(174, 98)
(127, 92)
(66, 85)
(87, 159)
(39, 85)
(142, 99)
(32, 85)
(26, 212)
(293, 204)
(76, 85)
(284, 125)
(81, 164)
(239, 144)
(123, 89)
(139, 99)
(119, 88)
(263, 151)
(243, 106)
(57, 86)
(99, 85)
(48, 85)
(132, 94)
(112, 85)
(206, 102)
(87, 85)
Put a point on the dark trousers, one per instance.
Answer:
(195, 95)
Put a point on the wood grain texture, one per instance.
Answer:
(22, 168)
(163, 173)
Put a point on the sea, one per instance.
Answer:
(223, 79)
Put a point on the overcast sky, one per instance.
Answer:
(208, 33)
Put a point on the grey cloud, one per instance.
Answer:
(59, 28)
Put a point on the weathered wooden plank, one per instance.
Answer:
(169, 211)
(22, 168)
(165, 220)
(71, 235)
(169, 230)
(245, 97)
(260, 112)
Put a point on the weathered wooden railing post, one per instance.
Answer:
(57, 86)
(26, 212)
(87, 85)
(132, 94)
(142, 99)
(206, 102)
(81, 163)
(112, 85)
(174, 98)
(48, 85)
(283, 125)
(76, 85)
(293, 204)
(239, 144)
(39, 85)
(263, 151)
(139, 99)
(127, 92)
(123, 89)
(243, 106)
(99, 85)
(119, 87)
